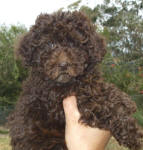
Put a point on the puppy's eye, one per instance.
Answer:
(52, 45)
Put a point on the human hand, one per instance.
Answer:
(78, 136)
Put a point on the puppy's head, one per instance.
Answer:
(64, 44)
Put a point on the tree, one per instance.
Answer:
(11, 70)
(123, 20)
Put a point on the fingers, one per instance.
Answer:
(71, 110)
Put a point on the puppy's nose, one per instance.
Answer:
(63, 65)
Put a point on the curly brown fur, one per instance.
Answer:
(63, 51)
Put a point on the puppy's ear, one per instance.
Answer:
(25, 49)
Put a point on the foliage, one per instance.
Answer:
(124, 23)
(75, 5)
(11, 71)
(128, 76)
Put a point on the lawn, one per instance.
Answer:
(4, 142)
(4, 139)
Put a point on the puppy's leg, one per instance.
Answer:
(126, 131)
(114, 113)
(30, 136)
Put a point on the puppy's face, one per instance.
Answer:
(62, 46)
(62, 64)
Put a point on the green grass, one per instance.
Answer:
(5, 140)
(3, 132)
(113, 145)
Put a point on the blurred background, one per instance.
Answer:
(119, 21)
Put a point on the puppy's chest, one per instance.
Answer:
(52, 99)
(56, 95)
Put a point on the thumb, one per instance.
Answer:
(71, 110)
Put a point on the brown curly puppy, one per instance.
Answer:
(63, 51)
